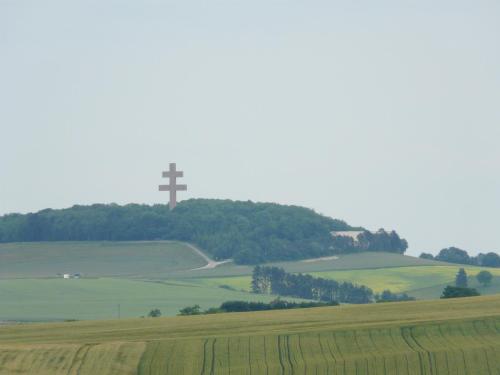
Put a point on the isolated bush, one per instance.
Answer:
(426, 256)
(457, 292)
(388, 296)
(484, 277)
(190, 310)
(155, 313)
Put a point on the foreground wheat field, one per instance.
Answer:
(460, 336)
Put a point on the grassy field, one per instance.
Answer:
(459, 336)
(435, 290)
(344, 262)
(140, 276)
(403, 279)
(158, 259)
(423, 282)
(96, 259)
(105, 298)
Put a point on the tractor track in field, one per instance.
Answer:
(212, 365)
(280, 356)
(445, 353)
(204, 356)
(83, 351)
(249, 355)
(323, 354)
(409, 341)
(265, 356)
(287, 345)
(228, 347)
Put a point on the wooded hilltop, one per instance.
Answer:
(248, 232)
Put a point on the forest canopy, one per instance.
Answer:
(459, 256)
(248, 232)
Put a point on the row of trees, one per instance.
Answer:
(462, 281)
(459, 256)
(274, 280)
(458, 292)
(380, 240)
(249, 233)
(388, 296)
(243, 306)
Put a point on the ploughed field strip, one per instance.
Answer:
(460, 336)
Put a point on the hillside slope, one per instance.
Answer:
(247, 232)
(159, 259)
(97, 258)
(454, 336)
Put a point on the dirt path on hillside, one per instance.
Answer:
(211, 264)
(334, 257)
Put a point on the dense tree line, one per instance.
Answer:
(244, 306)
(274, 280)
(459, 256)
(457, 292)
(388, 296)
(248, 232)
(380, 240)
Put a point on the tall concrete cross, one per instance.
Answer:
(172, 187)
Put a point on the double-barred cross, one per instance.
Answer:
(172, 187)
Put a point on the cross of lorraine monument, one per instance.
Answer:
(172, 187)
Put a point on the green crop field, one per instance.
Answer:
(402, 279)
(131, 278)
(126, 278)
(435, 290)
(424, 282)
(459, 336)
(158, 259)
(96, 259)
(105, 298)
(343, 262)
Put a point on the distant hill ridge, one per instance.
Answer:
(248, 232)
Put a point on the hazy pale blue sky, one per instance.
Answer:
(381, 113)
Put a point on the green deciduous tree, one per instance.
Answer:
(489, 260)
(459, 256)
(454, 255)
(484, 277)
